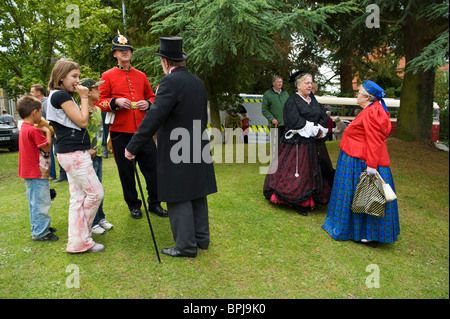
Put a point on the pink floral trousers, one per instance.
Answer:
(86, 194)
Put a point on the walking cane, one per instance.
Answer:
(145, 206)
(275, 142)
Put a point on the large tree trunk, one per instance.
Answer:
(214, 112)
(346, 77)
(415, 117)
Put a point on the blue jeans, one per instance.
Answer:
(97, 162)
(52, 161)
(38, 195)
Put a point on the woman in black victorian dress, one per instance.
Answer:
(304, 173)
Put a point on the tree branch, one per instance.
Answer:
(19, 29)
(10, 64)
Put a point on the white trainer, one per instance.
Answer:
(96, 248)
(105, 224)
(98, 230)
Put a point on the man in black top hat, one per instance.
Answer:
(185, 168)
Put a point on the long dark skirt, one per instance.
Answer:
(304, 175)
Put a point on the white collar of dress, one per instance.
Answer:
(306, 100)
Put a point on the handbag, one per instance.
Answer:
(389, 193)
(369, 196)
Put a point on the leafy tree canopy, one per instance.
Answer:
(36, 33)
(226, 39)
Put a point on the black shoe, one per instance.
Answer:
(302, 212)
(49, 237)
(136, 213)
(158, 210)
(52, 193)
(52, 229)
(371, 243)
(59, 180)
(174, 252)
(204, 247)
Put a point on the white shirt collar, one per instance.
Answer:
(173, 68)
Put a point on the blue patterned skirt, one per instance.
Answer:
(341, 223)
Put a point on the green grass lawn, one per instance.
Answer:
(258, 250)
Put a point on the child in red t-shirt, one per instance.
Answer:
(34, 167)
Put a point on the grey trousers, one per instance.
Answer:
(190, 224)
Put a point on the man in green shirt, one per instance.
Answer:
(273, 104)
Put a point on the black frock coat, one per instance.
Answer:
(179, 117)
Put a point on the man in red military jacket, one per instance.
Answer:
(126, 95)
